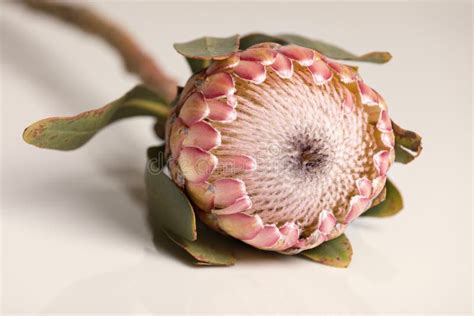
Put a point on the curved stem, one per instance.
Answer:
(136, 60)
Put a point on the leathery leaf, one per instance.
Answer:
(169, 208)
(67, 133)
(209, 249)
(330, 50)
(201, 51)
(336, 252)
(392, 204)
(407, 144)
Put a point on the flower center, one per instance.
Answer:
(311, 159)
(309, 151)
(309, 156)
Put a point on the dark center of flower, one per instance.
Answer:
(311, 159)
(308, 156)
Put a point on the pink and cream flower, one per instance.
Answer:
(279, 146)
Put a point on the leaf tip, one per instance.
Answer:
(376, 57)
(25, 135)
(383, 57)
(336, 252)
(32, 133)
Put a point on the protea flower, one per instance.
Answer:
(279, 146)
(271, 142)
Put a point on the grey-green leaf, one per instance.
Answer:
(210, 248)
(209, 47)
(392, 204)
(379, 198)
(335, 52)
(336, 252)
(169, 207)
(407, 144)
(67, 133)
(257, 38)
(402, 155)
(197, 65)
(327, 49)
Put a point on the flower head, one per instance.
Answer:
(280, 147)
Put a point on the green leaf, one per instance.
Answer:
(197, 65)
(327, 49)
(67, 133)
(392, 204)
(169, 207)
(335, 52)
(209, 47)
(379, 198)
(210, 248)
(157, 154)
(407, 144)
(257, 38)
(199, 52)
(402, 155)
(336, 252)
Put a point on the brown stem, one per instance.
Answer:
(135, 59)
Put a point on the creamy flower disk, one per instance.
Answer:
(279, 146)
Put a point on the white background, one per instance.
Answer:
(74, 234)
